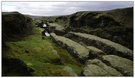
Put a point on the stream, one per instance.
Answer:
(46, 32)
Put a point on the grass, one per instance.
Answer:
(68, 60)
(42, 55)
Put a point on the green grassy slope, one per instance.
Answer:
(40, 56)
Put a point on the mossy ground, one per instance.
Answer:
(39, 54)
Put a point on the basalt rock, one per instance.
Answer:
(15, 26)
(105, 45)
(123, 65)
(77, 50)
(98, 68)
(70, 71)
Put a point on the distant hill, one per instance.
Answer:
(7, 13)
(34, 17)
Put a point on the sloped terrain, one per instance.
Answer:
(81, 44)
(80, 52)
(114, 59)
(30, 55)
(115, 25)
(106, 45)
(15, 26)
(96, 67)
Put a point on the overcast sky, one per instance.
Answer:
(62, 8)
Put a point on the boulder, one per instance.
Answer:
(94, 70)
(110, 71)
(70, 71)
(59, 30)
(123, 65)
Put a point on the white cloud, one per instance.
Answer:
(9, 8)
(61, 8)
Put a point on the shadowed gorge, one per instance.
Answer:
(86, 43)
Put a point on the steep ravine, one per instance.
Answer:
(27, 52)
(115, 25)
(80, 44)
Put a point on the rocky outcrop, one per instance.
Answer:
(59, 30)
(15, 67)
(70, 71)
(15, 26)
(94, 52)
(105, 45)
(92, 20)
(115, 25)
(77, 50)
(98, 68)
(97, 56)
(100, 62)
(123, 65)
(93, 70)
(108, 65)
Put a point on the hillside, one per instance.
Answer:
(15, 26)
(25, 53)
(86, 43)
(115, 25)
